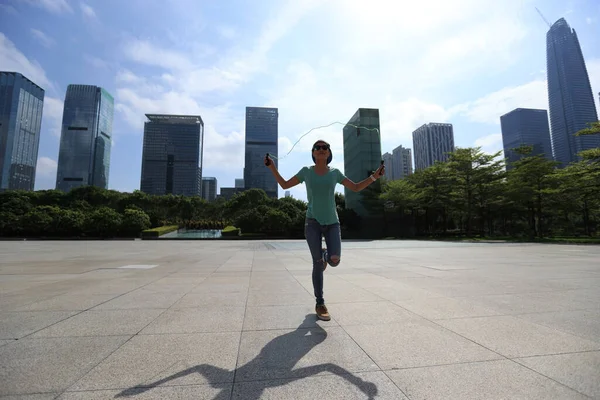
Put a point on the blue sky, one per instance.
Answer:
(466, 62)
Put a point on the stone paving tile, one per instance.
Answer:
(445, 307)
(489, 380)
(102, 323)
(582, 323)
(141, 298)
(282, 317)
(199, 319)
(279, 354)
(166, 360)
(51, 364)
(208, 299)
(415, 316)
(68, 302)
(38, 396)
(339, 385)
(187, 392)
(579, 371)
(16, 325)
(513, 337)
(296, 297)
(369, 313)
(416, 343)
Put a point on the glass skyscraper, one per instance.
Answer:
(525, 126)
(261, 137)
(362, 153)
(21, 105)
(570, 95)
(172, 155)
(86, 138)
(209, 188)
(432, 142)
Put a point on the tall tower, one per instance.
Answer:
(432, 142)
(570, 95)
(261, 138)
(362, 153)
(401, 162)
(21, 105)
(524, 126)
(172, 155)
(86, 138)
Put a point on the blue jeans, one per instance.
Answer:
(313, 231)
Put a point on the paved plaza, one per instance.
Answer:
(236, 320)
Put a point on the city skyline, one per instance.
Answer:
(148, 72)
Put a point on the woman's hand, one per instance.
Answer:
(268, 161)
(380, 172)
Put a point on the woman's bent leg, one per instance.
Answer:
(333, 239)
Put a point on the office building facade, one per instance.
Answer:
(239, 183)
(21, 108)
(570, 96)
(401, 162)
(362, 153)
(389, 162)
(261, 137)
(525, 126)
(209, 188)
(86, 138)
(172, 155)
(432, 142)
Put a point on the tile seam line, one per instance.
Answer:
(237, 358)
(485, 347)
(131, 336)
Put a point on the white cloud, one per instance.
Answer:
(43, 38)
(54, 6)
(52, 115)
(228, 32)
(87, 10)
(490, 107)
(490, 144)
(11, 59)
(46, 167)
(96, 62)
(45, 173)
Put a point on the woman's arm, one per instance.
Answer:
(282, 182)
(357, 187)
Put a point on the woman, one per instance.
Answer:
(321, 215)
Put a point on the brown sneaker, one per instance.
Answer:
(322, 312)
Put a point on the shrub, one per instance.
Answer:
(134, 221)
(230, 231)
(159, 231)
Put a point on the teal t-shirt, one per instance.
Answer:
(320, 193)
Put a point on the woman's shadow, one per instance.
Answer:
(273, 366)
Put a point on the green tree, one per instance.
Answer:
(134, 222)
(530, 184)
(276, 222)
(250, 221)
(103, 222)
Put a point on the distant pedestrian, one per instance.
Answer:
(321, 215)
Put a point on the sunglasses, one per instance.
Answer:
(321, 146)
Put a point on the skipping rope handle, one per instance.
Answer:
(267, 161)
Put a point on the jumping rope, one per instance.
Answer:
(321, 127)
